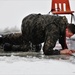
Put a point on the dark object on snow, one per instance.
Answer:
(13, 38)
(37, 28)
(15, 42)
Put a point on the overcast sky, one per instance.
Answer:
(13, 11)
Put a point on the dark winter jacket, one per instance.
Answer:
(39, 28)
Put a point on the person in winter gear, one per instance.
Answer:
(37, 28)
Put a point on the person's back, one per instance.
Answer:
(34, 26)
(39, 28)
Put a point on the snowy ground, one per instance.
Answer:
(15, 65)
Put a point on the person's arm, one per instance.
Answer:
(51, 37)
(65, 49)
(49, 45)
(66, 52)
(62, 41)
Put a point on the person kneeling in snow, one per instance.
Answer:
(37, 28)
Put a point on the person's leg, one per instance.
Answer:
(7, 47)
(16, 48)
(36, 48)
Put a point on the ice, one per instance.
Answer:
(15, 65)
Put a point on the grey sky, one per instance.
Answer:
(13, 11)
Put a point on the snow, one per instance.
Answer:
(15, 65)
